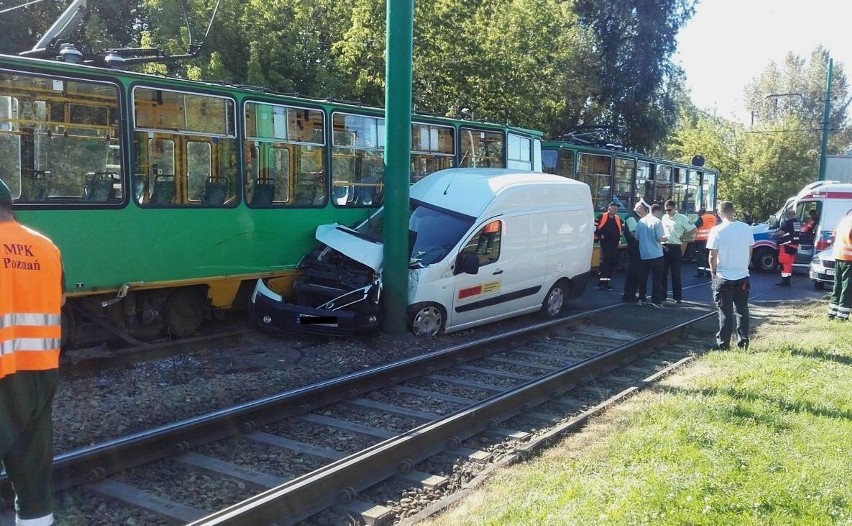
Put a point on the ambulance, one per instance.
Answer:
(484, 245)
(830, 199)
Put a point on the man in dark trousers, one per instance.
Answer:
(730, 243)
(608, 231)
(634, 258)
(30, 333)
(840, 305)
(651, 237)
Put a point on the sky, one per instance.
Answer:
(728, 43)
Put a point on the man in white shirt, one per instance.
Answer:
(730, 244)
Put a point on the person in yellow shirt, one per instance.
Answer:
(32, 296)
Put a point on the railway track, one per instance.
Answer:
(384, 443)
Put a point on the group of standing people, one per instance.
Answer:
(654, 247)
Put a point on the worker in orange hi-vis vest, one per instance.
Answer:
(31, 299)
(608, 229)
(840, 304)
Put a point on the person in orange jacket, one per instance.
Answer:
(608, 231)
(840, 304)
(32, 296)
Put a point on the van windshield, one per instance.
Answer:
(432, 232)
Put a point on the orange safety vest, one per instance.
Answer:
(30, 300)
(843, 240)
(708, 221)
(602, 222)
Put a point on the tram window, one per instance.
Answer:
(625, 169)
(199, 168)
(481, 148)
(432, 149)
(644, 182)
(518, 152)
(357, 160)
(56, 140)
(284, 156)
(595, 170)
(189, 153)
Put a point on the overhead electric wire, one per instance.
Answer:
(2, 11)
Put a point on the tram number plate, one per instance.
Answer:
(829, 272)
(308, 319)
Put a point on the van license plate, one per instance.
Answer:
(307, 319)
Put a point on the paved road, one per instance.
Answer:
(697, 290)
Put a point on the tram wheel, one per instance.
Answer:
(185, 311)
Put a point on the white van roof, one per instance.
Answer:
(470, 191)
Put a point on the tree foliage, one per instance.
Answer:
(638, 82)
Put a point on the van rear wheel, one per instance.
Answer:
(427, 319)
(554, 302)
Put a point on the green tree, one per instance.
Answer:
(796, 90)
(639, 84)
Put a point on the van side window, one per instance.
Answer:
(486, 243)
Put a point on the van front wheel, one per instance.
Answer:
(427, 319)
(554, 302)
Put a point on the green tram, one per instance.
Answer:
(614, 175)
(169, 198)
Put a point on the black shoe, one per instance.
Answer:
(743, 344)
(720, 346)
(678, 301)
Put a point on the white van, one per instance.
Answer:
(485, 244)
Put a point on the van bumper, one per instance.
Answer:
(271, 313)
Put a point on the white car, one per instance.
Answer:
(822, 269)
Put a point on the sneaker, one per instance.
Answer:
(743, 344)
(678, 301)
(656, 305)
(641, 302)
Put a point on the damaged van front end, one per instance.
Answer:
(336, 293)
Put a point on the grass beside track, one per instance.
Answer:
(762, 436)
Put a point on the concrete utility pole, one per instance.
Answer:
(826, 110)
(400, 24)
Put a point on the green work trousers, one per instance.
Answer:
(26, 439)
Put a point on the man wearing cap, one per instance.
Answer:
(32, 296)
(608, 231)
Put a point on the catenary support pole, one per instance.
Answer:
(400, 22)
(823, 157)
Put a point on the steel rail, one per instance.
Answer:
(92, 464)
(340, 481)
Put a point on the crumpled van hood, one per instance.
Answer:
(344, 240)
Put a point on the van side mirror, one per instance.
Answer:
(467, 264)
